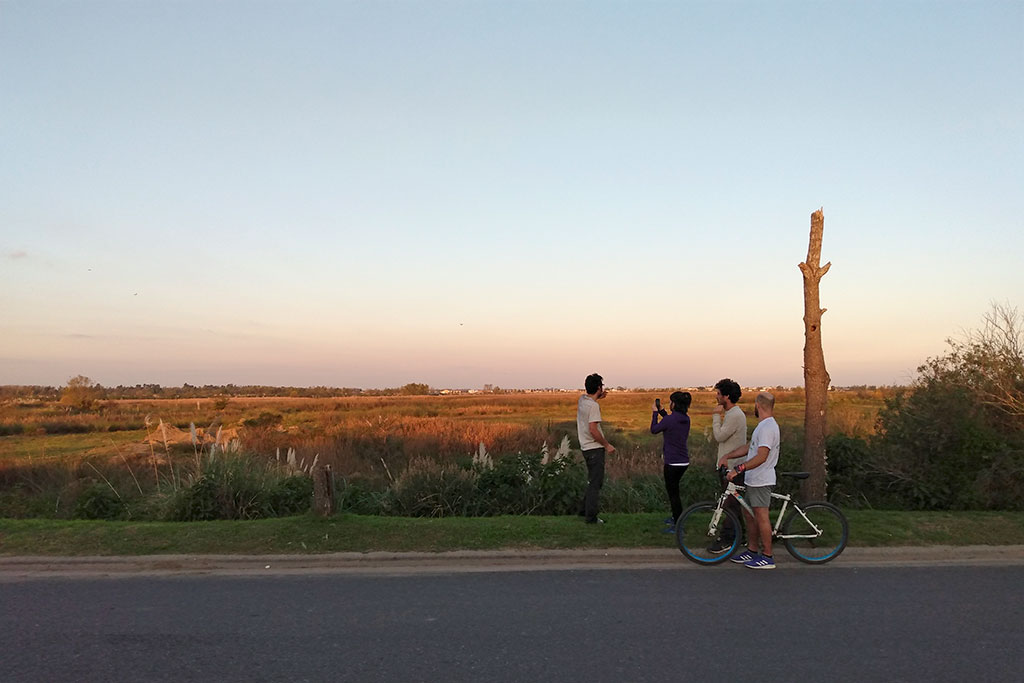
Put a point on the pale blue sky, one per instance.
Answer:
(517, 193)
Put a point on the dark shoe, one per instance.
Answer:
(670, 520)
(669, 530)
(719, 547)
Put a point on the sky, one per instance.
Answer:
(367, 194)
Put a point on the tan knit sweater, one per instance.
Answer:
(730, 433)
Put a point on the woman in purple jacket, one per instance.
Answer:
(675, 429)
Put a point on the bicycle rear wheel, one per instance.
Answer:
(807, 545)
(698, 541)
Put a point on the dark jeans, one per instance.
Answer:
(728, 533)
(595, 477)
(673, 475)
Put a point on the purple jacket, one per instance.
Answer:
(675, 428)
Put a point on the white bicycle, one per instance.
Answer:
(814, 532)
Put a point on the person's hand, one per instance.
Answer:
(611, 449)
(724, 462)
(719, 409)
(655, 408)
(730, 475)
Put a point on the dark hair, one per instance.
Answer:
(730, 389)
(594, 383)
(680, 401)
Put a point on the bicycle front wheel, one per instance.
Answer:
(816, 536)
(699, 541)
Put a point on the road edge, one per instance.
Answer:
(14, 568)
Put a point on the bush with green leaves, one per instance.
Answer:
(524, 484)
(362, 497)
(429, 490)
(291, 495)
(239, 486)
(99, 501)
(955, 439)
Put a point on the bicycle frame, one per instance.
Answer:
(734, 491)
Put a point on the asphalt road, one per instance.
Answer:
(829, 623)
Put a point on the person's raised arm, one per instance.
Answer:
(658, 427)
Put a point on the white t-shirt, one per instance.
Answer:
(587, 411)
(766, 433)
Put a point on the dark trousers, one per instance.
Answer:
(595, 480)
(673, 475)
(728, 533)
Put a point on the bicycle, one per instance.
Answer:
(814, 533)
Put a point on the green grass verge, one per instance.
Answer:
(367, 533)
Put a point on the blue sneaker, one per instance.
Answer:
(670, 520)
(760, 562)
(668, 530)
(744, 557)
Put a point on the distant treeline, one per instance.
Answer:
(145, 391)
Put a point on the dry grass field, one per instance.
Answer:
(355, 433)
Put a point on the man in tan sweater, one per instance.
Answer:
(728, 422)
(729, 425)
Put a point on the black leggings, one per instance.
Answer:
(673, 475)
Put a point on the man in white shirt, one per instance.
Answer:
(759, 473)
(593, 444)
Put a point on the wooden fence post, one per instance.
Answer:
(323, 490)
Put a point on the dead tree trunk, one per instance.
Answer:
(816, 379)
(323, 491)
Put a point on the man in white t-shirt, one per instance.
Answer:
(759, 473)
(593, 444)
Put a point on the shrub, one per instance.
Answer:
(955, 438)
(62, 427)
(427, 490)
(936, 445)
(11, 429)
(359, 497)
(265, 420)
(99, 501)
(699, 483)
(291, 495)
(239, 486)
(81, 393)
(523, 484)
(560, 487)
